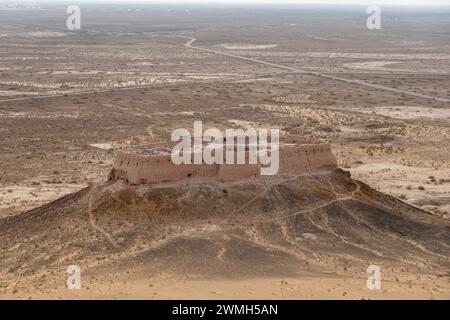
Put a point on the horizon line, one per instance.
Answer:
(411, 3)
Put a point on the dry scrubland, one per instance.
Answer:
(127, 79)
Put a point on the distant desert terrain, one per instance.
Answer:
(69, 100)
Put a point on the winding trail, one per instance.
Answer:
(92, 220)
(338, 198)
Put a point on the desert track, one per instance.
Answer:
(81, 93)
(189, 44)
(314, 73)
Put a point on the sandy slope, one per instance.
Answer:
(285, 237)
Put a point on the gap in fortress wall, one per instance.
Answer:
(152, 164)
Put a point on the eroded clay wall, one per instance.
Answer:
(138, 168)
(306, 158)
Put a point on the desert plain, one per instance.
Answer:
(69, 99)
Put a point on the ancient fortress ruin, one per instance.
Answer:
(152, 164)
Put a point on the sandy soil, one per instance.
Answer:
(307, 288)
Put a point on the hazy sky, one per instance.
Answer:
(362, 2)
(365, 2)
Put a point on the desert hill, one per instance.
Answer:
(312, 225)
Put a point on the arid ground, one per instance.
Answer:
(133, 74)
